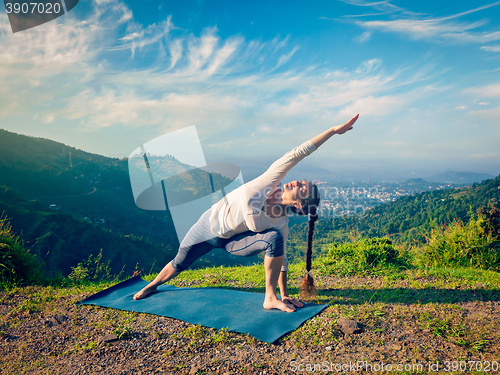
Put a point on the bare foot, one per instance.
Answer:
(275, 303)
(145, 292)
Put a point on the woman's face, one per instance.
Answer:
(296, 191)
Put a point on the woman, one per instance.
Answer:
(254, 218)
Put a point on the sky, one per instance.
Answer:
(258, 78)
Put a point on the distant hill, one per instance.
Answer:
(91, 186)
(462, 178)
(60, 241)
(93, 208)
(414, 183)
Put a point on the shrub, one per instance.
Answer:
(16, 264)
(474, 244)
(93, 269)
(362, 256)
(79, 274)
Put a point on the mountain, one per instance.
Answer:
(68, 204)
(68, 207)
(462, 178)
(89, 186)
(59, 241)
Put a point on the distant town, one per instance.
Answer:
(351, 198)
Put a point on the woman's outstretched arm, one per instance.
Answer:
(340, 129)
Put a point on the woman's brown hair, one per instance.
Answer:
(308, 290)
(309, 207)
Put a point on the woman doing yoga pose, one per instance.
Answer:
(254, 218)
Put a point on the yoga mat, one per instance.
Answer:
(210, 307)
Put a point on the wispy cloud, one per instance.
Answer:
(47, 119)
(435, 29)
(384, 7)
(491, 48)
(200, 49)
(365, 37)
(138, 37)
(223, 54)
(280, 43)
(367, 90)
(486, 91)
(286, 57)
(491, 111)
(175, 49)
(491, 116)
(486, 156)
(113, 72)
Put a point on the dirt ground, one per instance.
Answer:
(52, 335)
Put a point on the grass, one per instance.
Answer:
(358, 256)
(250, 277)
(409, 311)
(431, 289)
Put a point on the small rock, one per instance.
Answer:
(48, 323)
(194, 370)
(107, 338)
(8, 337)
(329, 348)
(349, 326)
(59, 318)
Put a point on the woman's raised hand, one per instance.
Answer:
(341, 129)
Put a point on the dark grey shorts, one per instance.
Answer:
(200, 240)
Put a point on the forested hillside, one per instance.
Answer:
(407, 220)
(91, 186)
(60, 242)
(92, 208)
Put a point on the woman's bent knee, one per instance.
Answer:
(177, 267)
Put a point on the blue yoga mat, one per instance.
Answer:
(210, 307)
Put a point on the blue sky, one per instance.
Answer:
(258, 78)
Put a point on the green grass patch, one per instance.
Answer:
(362, 257)
(474, 244)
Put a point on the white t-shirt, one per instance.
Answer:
(241, 210)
